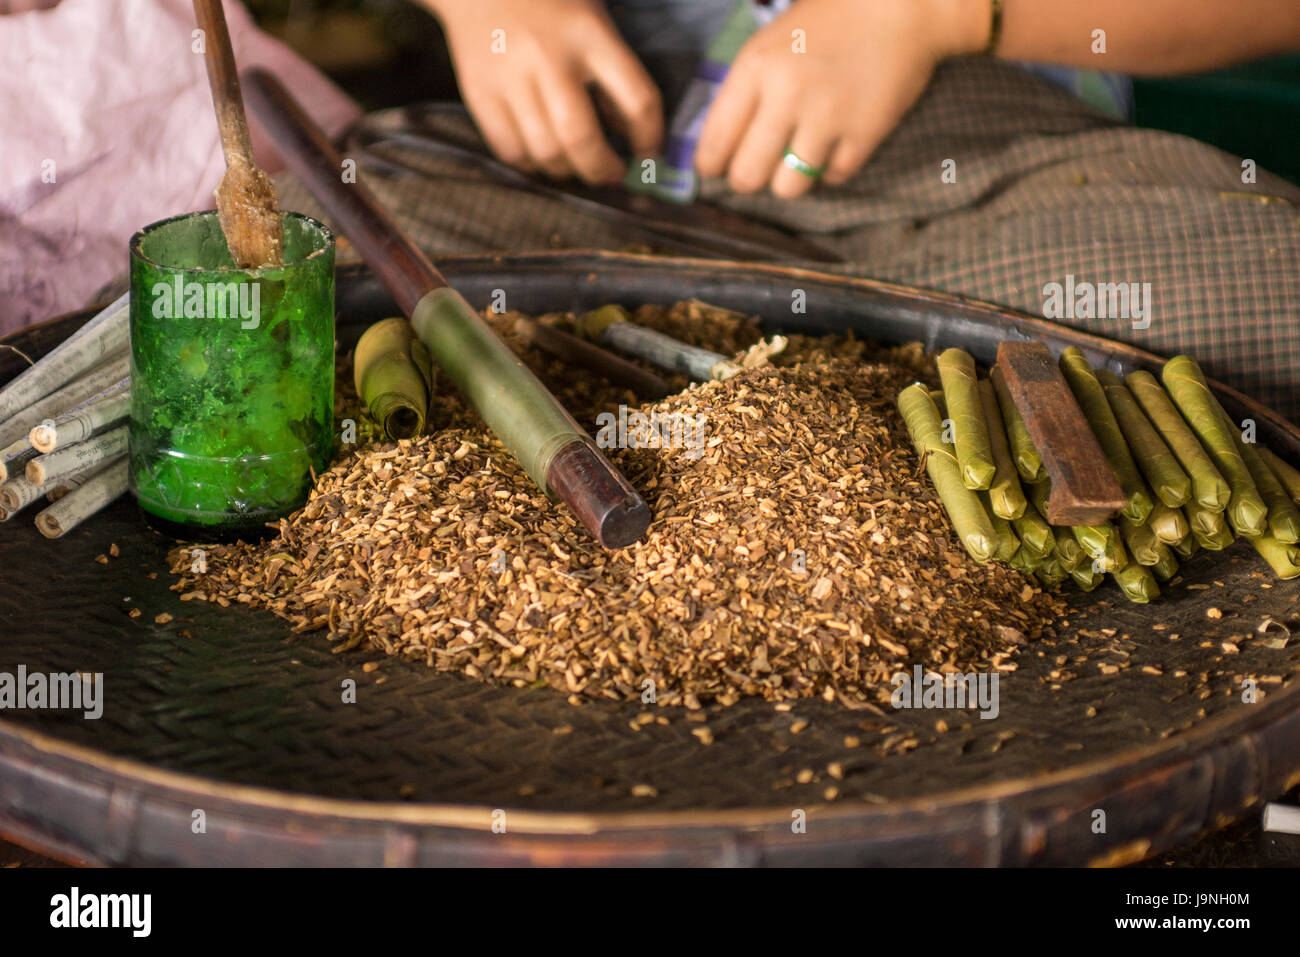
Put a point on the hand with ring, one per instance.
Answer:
(812, 94)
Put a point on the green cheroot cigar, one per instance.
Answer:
(1158, 464)
(392, 372)
(1168, 524)
(1283, 516)
(1068, 549)
(1034, 532)
(1028, 462)
(973, 525)
(1006, 498)
(1086, 577)
(1188, 547)
(1209, 488)
(1140, 541)
(1096, 409)
(970, 436)
(1137, 583)
(1051, 572)
(1247, 512)
(1103, 545)
(1008, 543)
(1283, 558)
(1210, 529)
(1287, 474)
(1025, 561)
(1167, 567)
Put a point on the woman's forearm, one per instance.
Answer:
(1140, 36)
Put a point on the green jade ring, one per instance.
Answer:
(791, 160)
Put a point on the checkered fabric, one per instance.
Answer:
(1045, 188)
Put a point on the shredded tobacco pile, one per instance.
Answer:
(800, 551)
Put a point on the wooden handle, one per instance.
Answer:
(1084, 489)
(223, 79)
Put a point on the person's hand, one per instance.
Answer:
(523, 66)
(865, 65)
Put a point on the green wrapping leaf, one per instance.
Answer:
(1096, 409)
(1168, 524)
(1167, 567)
(973, 525)
(1137, 583)
(1035, 534)
(1284, 559)
(970, 436)
(1247, 512)
(1028, 462)
(1140, 541)
(1283, 516)
(1287, 474)
(1051, 572)
(1008, 543)
(1209, 488)
(1085, 577)
(1006, 498)
(1102, 543)
(1158, 464)
(1068, 549)
(1188, 547)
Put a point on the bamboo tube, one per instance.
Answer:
(572, 349)
(1157, 463)
(1168, 524)
(392, 373)
(1006, 497)
(1246, 510)
(1096, 409)
(1068, 549)
(611, 327)
(1167, 567)
(106, 334)
(71, 396)
(1140, 541)
(1034, 532)
(53, 467)
(1137, 583)
(973, 525)
(970, 436)
(78, 505)
(1209, 487)
(1028, 462)
(1283, 516)
(1287, 474)
(1051, 572)
(1284, 559)
(1008, 543)
(73, 427)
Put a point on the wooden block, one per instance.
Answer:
(1084, 488)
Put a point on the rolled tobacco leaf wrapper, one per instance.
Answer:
(1283, 516)
(970, 435)
(71, 396)
(1156, 461)
(1246, 510)
(1209, 487)
(1068, 550)
(1006, 497)
(1169, 525)
(392, 373)
(1140, 541)
(1051, 572)
(1035, 534)
(613, 328)
(1287, 474)
(1086, 577)
(973, 525)
(1027, 460)
(1102, 543)
(106, 334)
(53, 467)
(79, 504)
(1096, 409)
(1214, 541)
(1284, 559)
(1188, 547)
(1210, 529)
(1137, 583)
(75, 426)
(1025, 561)
(1008, 543)
(1167, 567)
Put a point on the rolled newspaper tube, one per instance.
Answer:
(56, 490)
(1284, 559)
(1209, 487)
(1008, 543)
(103, 335)
(1137, 583)
(612, 327)
(1068, 549)
(1167, 567)
(1096, 409)
(14, 458)
(1034, 532)
(1102, 543)
(1087, 577)
(1140, 541)
(973, 525)
(81, 503)
(1006, 497)
(73, 427)
(72, 395)
(53, 467)
(1168, 524)
(17, 493)
(392, 372)
(1051, 572)
(1188, 547)
(1283, 516)
(966, 412)
(1027, 460)
(1286, 473)
(1158, 464)
(1247, 512)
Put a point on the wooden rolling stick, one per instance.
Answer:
(1084, 489)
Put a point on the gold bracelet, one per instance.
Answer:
(995, 28)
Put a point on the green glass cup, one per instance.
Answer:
(232, 376)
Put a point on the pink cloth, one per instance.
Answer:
(106, 125)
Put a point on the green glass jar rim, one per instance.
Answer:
(137, 250)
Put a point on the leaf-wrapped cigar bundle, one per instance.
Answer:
(966, 411)
(1006, 498)
(393, 374)
(1027, 460)
(1209, 488)
(1157, 463)
(1286, 473)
